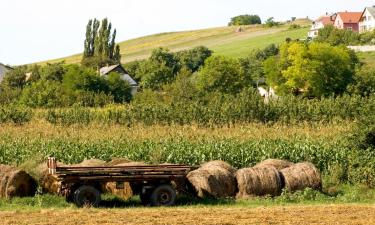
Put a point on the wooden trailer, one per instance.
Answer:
(157, 185)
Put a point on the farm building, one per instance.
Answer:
(348, 20)
(124, 75)
(3, 70)
(367, 21)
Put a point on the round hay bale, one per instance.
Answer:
(214, 179)
(47, 181)
(258, 181)
(20, 184)
(3, 185)
(301, 176)
(90, 163)
(277, 163)
(221, 164)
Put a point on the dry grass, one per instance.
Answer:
(41, 129)
(319, 214)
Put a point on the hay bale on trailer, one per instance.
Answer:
(126, 191)
(277, 163)
(16, 183)
(90, 163)
(48, 183)
(259, 181)
(214, 179)
(301, 176)
(117, 161)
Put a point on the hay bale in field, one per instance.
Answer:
(20, 184)
(16, 183)
(214, 179)
(258, 181)
(277, 163)
(301, 176)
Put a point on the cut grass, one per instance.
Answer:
(223, 40)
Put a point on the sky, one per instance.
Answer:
(37, 30)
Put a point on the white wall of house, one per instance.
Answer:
(317, 25)
(367, 22)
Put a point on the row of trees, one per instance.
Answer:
(100, 46)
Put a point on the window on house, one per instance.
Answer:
(350, 28)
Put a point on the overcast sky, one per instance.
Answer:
(35, 30)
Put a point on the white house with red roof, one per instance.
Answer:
(320, 23)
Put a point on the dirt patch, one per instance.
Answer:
(319, 214)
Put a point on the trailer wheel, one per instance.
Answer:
(87, 196)
(163, 195)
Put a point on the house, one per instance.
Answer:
(3, 70)
(320, 23)
(348, 21)
(124, 75)
(367, 21)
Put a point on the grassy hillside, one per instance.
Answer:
(223, 40)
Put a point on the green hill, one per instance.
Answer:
(222, 40)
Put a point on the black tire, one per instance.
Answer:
(163, 195)
(87, 196)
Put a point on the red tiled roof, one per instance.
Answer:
(350, 17)
(327, 20)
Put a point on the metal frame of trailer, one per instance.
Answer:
(157, 185)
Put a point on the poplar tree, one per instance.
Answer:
(100, 46)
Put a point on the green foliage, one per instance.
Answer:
(270, 22)
(315, 69)
(43, 93)
(15, 78)
(15, 114)
(221, 74)
(53, 72)
(118, 88)
(245, 20)
(193, 59)
(159, 70)
(364, 82)
(336, 36)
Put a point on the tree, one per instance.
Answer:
(334, 36)
(316, 69)
(160, 69)
(53, 71)
(270, 22)
(119, 88)
(245, 20)
(15, 78)
(221, 74)
(194, 58)
(364, 82)
(99, 45)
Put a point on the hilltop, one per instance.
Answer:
(222, 40)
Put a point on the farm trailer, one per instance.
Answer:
(157, 185)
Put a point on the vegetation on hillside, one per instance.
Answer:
(245, 20)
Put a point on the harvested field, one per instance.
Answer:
(317, 214)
